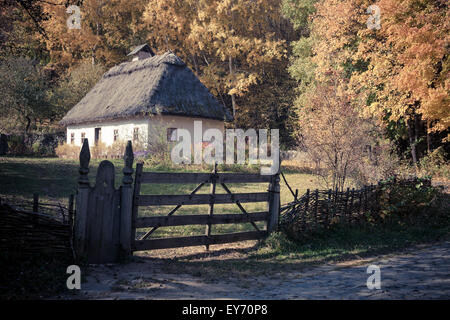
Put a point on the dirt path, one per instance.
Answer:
(422, 272)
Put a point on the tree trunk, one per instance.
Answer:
(27, 128)
(412, 141)
(233, 98)
(428, 137)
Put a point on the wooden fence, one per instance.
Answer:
(326, 207)
(107, 218)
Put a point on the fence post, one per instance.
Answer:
(305, 214)
(347, 193)
(82, 201)
(35, 202)
(126, 205)
(212, 193)
(350, 210)
(70, 212)
(316, 205)
(274, 203)
(328, 208)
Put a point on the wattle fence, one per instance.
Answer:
(324, 208)
(33, 233)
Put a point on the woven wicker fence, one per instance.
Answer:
(323, 208)
(30, 233)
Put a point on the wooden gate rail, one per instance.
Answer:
(161, 200)
(184, 220)
(164, 243)
(194, 177)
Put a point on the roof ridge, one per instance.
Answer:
(151, 62)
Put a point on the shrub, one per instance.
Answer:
(67, 151)
(435, 164)
(16, 145)
(99, 151)
(116, 150)
(405, 200)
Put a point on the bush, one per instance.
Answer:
(435, 164)
(99, 151)
(17, 146)
(67, 151)
(400, 201)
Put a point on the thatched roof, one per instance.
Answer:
(161, 84)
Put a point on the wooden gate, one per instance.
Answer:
(271, 196)
(106, 218)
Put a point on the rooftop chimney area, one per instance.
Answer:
(141, 52)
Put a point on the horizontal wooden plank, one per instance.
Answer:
(166, 221)
(174, 177)
(196, 177)
(242, 178)
(161, 243)
(161, 200)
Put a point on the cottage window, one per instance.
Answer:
(135, 134)
(170, 135)
(83, 137)
(116, 135)
(72, 138)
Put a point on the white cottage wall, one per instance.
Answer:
(148, 127)
(160, 124)
(125, 131)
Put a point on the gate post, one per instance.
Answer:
(274, 203)
(126, 206)
(82, 201)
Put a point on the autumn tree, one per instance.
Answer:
(238, 49)
(333, 133)
(397, 74)
(107, 33)
(407, 77)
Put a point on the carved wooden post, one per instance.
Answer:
(127, 202)
(274, 203)
(82, 202)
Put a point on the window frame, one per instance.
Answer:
(135, 134)
(169, 133)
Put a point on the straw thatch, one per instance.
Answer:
(161, 84)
